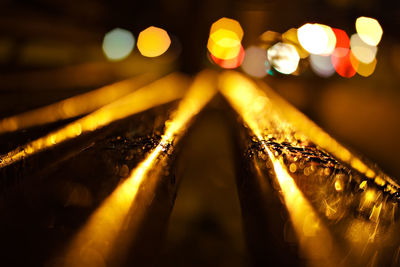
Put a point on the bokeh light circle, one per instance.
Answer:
(283, 57)
(224, 44)
(322, 65)
(363, 69)
(317, 38)
(153, 42)
(232, 63)
(118, 44)
(362, 51)
(344, 66)
(255, 62)
(228, 24)
(370, 30)
(225, 38)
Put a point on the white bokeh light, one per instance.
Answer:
(118, 44)
(283, 57)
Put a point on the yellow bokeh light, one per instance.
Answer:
(331, 44)
(118, 44)
(225, 39)
(369, 30)
(228, 24)
(224, 44)
(290, 37)
(317, 38)
(153, 42)
(363, 69)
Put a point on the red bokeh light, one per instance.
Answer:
(230, 63)
(341, 60)
(342, 39)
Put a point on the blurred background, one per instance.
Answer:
(49, 38)
(52, 49)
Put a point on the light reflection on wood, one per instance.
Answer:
(279, 129)
(157, 93)
(121, 210)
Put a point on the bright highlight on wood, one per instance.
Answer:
(157, 93)
(103, 228)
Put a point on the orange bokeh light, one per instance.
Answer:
(153, 42)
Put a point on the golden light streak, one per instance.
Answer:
(297, 119)
(269, 117)
(200, 93)
(314, 239)
(74, 106)
(100, 232)
(159, 92)
(321, 138)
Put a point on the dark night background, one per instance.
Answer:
(40, 37)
